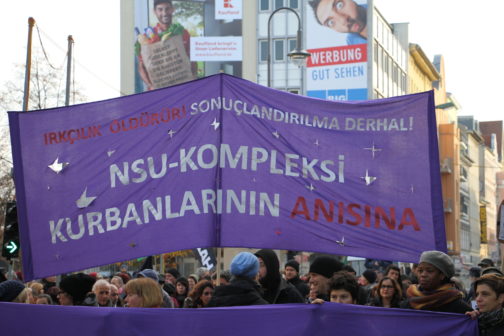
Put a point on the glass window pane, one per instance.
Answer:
(279, 50)
(292, 45)
(263, 49)
(294, 4)
(264, 5)
(279, 3)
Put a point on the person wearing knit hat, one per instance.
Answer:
(321, 270)
(435, 291)
(11, 291)
(74, 289)
(292, 276)
(243, 290)
(172, 275)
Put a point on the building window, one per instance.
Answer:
(279, 50)
(279, 4)
(263, 51)
(265, 5)
(295, 91)
(292, 44)
(294, 4)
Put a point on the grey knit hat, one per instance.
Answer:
(440, 260)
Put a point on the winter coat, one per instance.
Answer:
(458, 306)
(240, 292)
(301, 286)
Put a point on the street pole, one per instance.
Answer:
(69, 67)
(26, 97)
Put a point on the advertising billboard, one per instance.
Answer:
(178, 41)
(337, 37)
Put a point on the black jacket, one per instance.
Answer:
(300, 285)
(240, 292)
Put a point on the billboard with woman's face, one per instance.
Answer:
(337, 38)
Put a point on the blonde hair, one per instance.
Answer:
(23, 296)
(37, 288)
(147, 289)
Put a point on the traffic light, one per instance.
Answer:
(10, 246)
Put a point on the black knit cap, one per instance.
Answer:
(294, 264)
(370, 275)
(325, 266)
(10, 289)
(77, 286)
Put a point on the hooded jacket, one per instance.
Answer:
(276, 289)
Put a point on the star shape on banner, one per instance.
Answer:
(341, 242)
(57, 166)
(368, 179)
(310, 187)
(276, 134)
(215, 124)
(110, 152)
(316, 143)
(412, 188)
(373, 149)
(84, 201)
(171, 132)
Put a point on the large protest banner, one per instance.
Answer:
(300, 319)
(224, 162)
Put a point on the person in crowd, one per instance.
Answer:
(37, 288)
(243, 290)
(100, 296)
(342, 288)
(489, 292)
(118, 282)
(460, 286)
(200, 296)
(292, 276)
(276, 290)
(115, 299)
(321, 270)
(350, 269)
(53, 292)
(48, 282)
(168, 301)
(474, 274)
(387, 293)
(485, 263)
(74, 288)
(13, 291)
(406, 282)
(143, 293)
(192, 279)
(203, 273)
(435, 291)
(44, 299)
(367, 282)
(225, 278)
(171, 276)
(491, 270)
(393, 271)
(182, 289)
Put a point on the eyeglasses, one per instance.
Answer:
(387, 286)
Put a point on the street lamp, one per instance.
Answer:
(297, 56)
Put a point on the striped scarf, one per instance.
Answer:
(429, 300)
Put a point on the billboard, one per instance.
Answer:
(337, 38)
(178, 41)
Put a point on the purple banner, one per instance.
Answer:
(225, 162)
(326, 319)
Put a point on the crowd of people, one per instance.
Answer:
(258, 279)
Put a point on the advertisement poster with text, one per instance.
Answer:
(337, 37)
(170, 34)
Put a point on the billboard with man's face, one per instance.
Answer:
(178, 41)
(337, 38)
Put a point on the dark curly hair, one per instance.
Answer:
(346, 281)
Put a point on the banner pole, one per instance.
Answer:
(69, 67)
(26, 96)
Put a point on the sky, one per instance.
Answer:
(465, 33)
